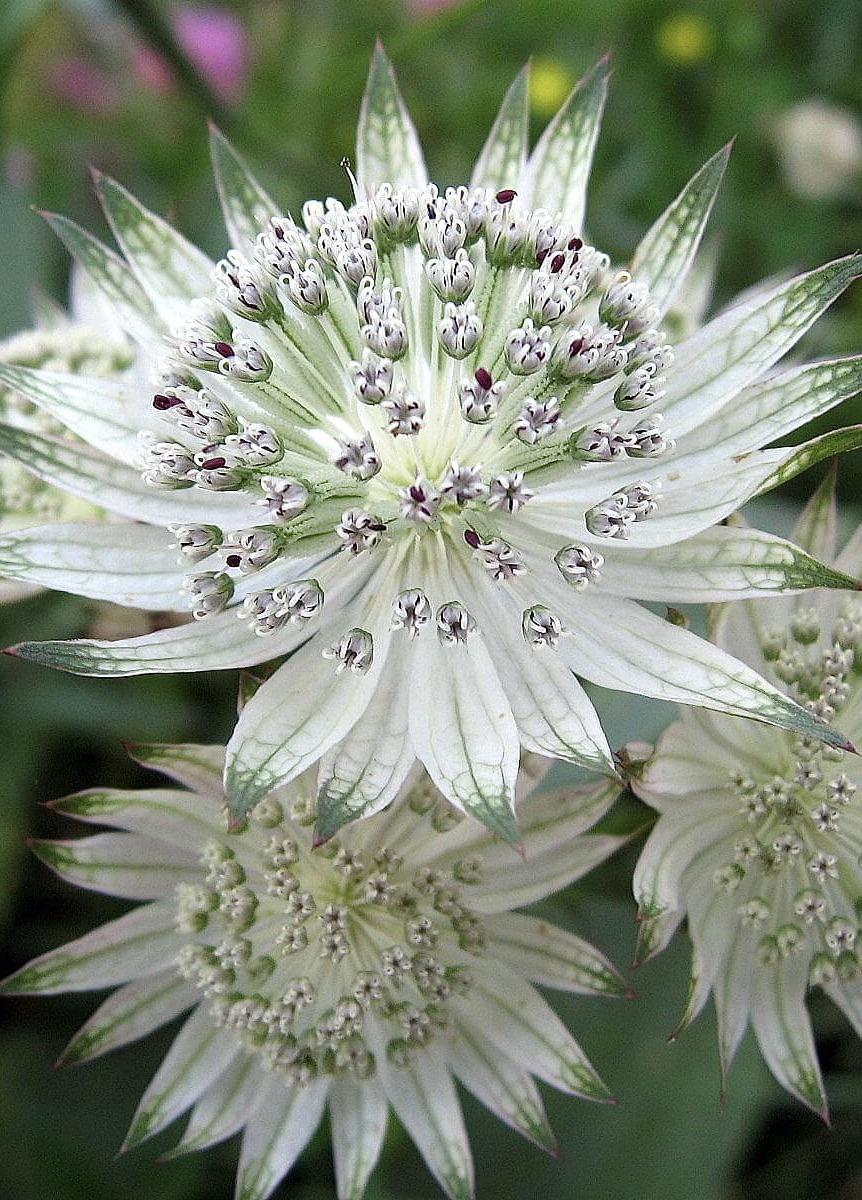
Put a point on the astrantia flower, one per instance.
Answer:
(364, 975)
(85, 341)
(414, 443)
(759, 841)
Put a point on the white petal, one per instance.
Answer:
(284, 1123)
(387, 148)
(245, 204)
(552, 957)
(228, 1103)
(504, 1088)
(175, 817)
(219, 643)
(170, 269)
(135, 945)
(720, 563)
(129, 1014)
(200, 1052)
(134, 565)
(618, 644)
(816, 529)
(509, 1012)
(363, 773)
(426, 1103)
(783, 1028)
(197, 767)
(504, 154)
(463, 731)
(116, 283)
(553, 713)
(120, 864)
(666, 252)
(739, 345)
(77, 468)
(770, 410)
(559, 167)
(359, 1113)
(306, 706)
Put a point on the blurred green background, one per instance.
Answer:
(127, 85)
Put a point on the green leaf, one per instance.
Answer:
(559, 167)
(245, 204)
(667, 251)
(501, 161)
(387, 148)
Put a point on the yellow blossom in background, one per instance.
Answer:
(550, 83)
(685, 38)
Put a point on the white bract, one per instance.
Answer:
(413, 443)
(759, 842)
(364, 975)
(85, 340)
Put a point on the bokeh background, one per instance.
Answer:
(127, 85)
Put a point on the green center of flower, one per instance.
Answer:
(321, 959)
(795, 875)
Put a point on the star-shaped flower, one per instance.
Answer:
(361, 976)
(759, 840)
(412, 443)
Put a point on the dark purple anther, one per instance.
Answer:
(542, 255)
(225, 349)
(576, 345)
(472, 538)
(484, 380)
(417, 493)
(163, 403)
(575, 244)
(506, 196)
(233, 560)
(557, 263)
(213, 464)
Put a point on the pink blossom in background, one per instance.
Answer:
(82, 86)
(214, 40)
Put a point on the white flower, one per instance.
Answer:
(86, 341)
(363, 976)
(416, 433)
(759, 841)
(821, 148)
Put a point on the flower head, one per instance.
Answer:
(86, 341)
(361, 975)
(436, 412)
(759, 840)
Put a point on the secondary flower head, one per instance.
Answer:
(759, 842)
(85, 340)
(414, 442)
(364, 975)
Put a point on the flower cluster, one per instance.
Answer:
(413, 443)
(759, 841)
(363, 975)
